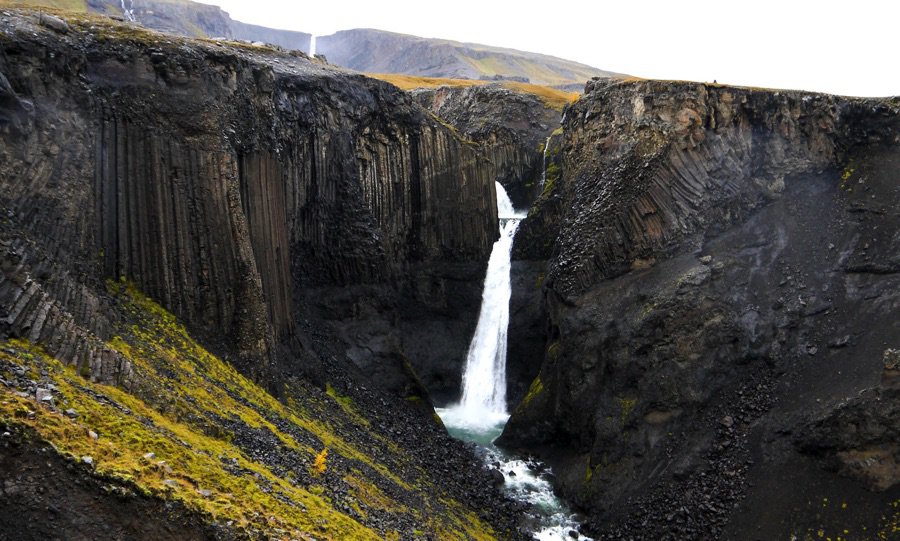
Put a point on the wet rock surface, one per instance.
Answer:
(721, 288)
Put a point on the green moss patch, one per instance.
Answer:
(189, 428)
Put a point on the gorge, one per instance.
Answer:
(237, 283)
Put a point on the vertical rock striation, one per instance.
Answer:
(721, 274)
(512, 128)
(223, 181)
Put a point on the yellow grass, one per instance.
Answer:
(552, 97)
(69, 5)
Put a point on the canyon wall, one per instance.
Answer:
(511, 126)
(721, 300)
(174, 209)
(223, 181)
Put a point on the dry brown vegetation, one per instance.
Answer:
(552, 97)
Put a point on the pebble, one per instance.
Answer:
(88, 460)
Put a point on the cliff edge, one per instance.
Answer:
(193, 228)
(721, 298)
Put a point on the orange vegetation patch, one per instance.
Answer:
(552, 97)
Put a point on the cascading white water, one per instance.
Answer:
(483, 403)
(544, 170)
(312, 45)
(481, 414)
(129, 13)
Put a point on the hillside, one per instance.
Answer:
(364, 50)
(182, 17)
(552, 97)
(377, 51)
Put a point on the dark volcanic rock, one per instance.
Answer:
(299, 219)
(220, 181)
(45, 497)
(704, 246)
(512, 128)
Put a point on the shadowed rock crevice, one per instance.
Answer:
(511, 127)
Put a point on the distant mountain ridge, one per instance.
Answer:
(378, 51)
(361, 49)
(183, 17)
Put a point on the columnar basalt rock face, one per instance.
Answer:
(220, 180)
(722, 273)
(512, 128)
(276, 206)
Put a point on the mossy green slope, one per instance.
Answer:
(191, 428)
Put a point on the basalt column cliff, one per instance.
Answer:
(275, 206)
(721, 307)
(220, 184)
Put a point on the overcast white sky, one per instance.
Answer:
(850, 48)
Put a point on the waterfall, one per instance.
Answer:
(483, 401)
(481, 414)
(544, 166)
(484, 378)
(312, 46)
(129, 13)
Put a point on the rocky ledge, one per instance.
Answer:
(721, 305)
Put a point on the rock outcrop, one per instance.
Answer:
(722, 280)
(512, 128)
(262, 198)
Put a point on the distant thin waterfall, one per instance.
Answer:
(312, 45)
(129, 12)
(544, 167)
